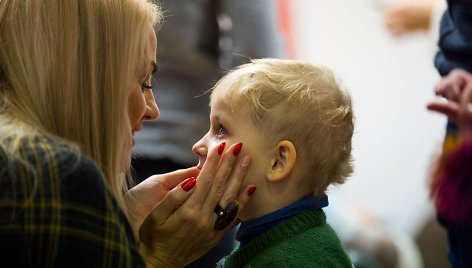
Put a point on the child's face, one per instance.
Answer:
(233, 127)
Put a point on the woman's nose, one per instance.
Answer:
(199, 148)
(152, 111)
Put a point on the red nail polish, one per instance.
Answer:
(188, 184)
(221, 148)
(237, 148)
(251, 190)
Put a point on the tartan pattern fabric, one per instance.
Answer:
(56, 210)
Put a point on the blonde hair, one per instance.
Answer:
(63, 72)
(301, 102)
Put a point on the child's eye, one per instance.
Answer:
(221, 130)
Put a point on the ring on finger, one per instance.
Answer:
(226, 216)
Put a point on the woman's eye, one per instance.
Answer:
(145, 86)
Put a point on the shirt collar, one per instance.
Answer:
(251, 229)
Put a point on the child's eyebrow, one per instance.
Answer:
(215, 118)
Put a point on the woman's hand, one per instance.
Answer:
(181, 227)
(142, 198)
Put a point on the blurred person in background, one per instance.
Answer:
(455, 51)
(452, 181)
(198, 42)
(451, 186)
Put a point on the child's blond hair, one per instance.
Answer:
(303, 103)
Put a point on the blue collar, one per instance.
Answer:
(253, 228)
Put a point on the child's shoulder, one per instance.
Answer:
(313, 244)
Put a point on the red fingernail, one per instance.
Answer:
(188, 184)
(237, 148)
(251, 190)
(221, 148)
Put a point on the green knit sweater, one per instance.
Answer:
(305, 240)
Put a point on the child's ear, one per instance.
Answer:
(283, 161)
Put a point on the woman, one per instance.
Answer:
(74, 89)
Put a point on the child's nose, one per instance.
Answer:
(200, 149)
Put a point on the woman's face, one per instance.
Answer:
(141, 104)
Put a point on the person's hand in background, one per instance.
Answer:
(406, 17)
(457, 89)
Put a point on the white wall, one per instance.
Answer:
(391, 80)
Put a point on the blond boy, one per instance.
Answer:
(296, 124)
